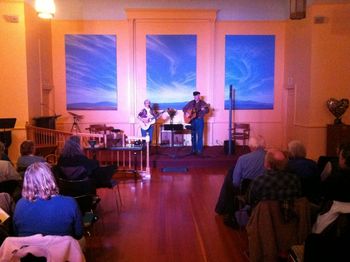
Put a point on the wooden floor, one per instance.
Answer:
(167, 218)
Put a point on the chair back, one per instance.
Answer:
(241, 131)
(81, 191)
(85, 202)
(75, 187)
(73, 172)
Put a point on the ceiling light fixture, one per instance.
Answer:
(45, 8)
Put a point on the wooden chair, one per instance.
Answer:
(241, 131)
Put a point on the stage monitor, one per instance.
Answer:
(6, 123)
(173, 127)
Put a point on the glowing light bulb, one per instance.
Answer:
(45, 8)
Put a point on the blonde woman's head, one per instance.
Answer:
(39, 182)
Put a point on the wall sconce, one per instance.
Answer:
(297, 9)
(45, 8)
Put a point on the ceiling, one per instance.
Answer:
(227, 9)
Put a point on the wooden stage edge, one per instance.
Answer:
(179, 156)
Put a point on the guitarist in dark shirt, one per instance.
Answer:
(194, 112)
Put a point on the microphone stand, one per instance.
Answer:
(230, 124)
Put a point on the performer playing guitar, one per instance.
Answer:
(146, 122)
(194, 112)
(147, 117)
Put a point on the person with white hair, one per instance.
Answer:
(147, 118)
(248, 167)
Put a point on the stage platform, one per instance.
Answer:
(179, 157)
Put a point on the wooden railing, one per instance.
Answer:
(46, 138)
(50, 141)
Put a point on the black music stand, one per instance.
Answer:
(5, 135)
(6, 123)
(173, 128)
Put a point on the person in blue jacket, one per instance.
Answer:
(42, 210)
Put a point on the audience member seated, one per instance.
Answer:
(336, 186)
(74, 165)
(7, 204)
(330, 236)
(276, 183)
(279, 218)
(41, 210)
(3, 155)
(306, 170)
(10, 180)
(8, 172)
(248, 167)
(27, 150)
(329, 164)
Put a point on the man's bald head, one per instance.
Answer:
(275, 160)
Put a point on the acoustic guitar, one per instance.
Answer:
(191, 114)
(149, 121)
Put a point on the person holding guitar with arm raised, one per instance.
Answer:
(147, 118)
(194, 112)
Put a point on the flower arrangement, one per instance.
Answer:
(171, 112)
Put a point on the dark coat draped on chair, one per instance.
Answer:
(271, 234)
